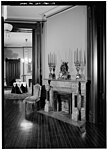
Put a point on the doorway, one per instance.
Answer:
(12, 70)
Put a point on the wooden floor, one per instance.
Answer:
(41, 131)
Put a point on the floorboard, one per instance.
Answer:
(38, 130)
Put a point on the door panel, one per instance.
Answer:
(12, 70)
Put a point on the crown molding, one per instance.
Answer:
(57, 10)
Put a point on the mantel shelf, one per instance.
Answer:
(63, 80)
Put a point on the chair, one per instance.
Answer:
(31, 101)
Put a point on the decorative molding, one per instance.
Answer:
(31, 21)
(57, 10)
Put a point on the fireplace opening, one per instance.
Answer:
(63, 102)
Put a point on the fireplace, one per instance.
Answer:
(68, 97)
(62, 102)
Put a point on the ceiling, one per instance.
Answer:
(26, 14)
(30, 13)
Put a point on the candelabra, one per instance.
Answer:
(77, 64)
(53, 75)
(82, 70)
(52, 65)
(52, 70)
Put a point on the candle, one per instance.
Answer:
(80, 56)
(84, 58)
(77, 54)
(54, 59)
(51, 58)
(74, 56)
(48, 58)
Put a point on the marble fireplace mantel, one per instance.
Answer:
(77, 89)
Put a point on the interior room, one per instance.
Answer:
(54, 74)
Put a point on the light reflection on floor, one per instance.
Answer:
(26, 125)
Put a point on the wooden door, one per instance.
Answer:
(12, 70)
